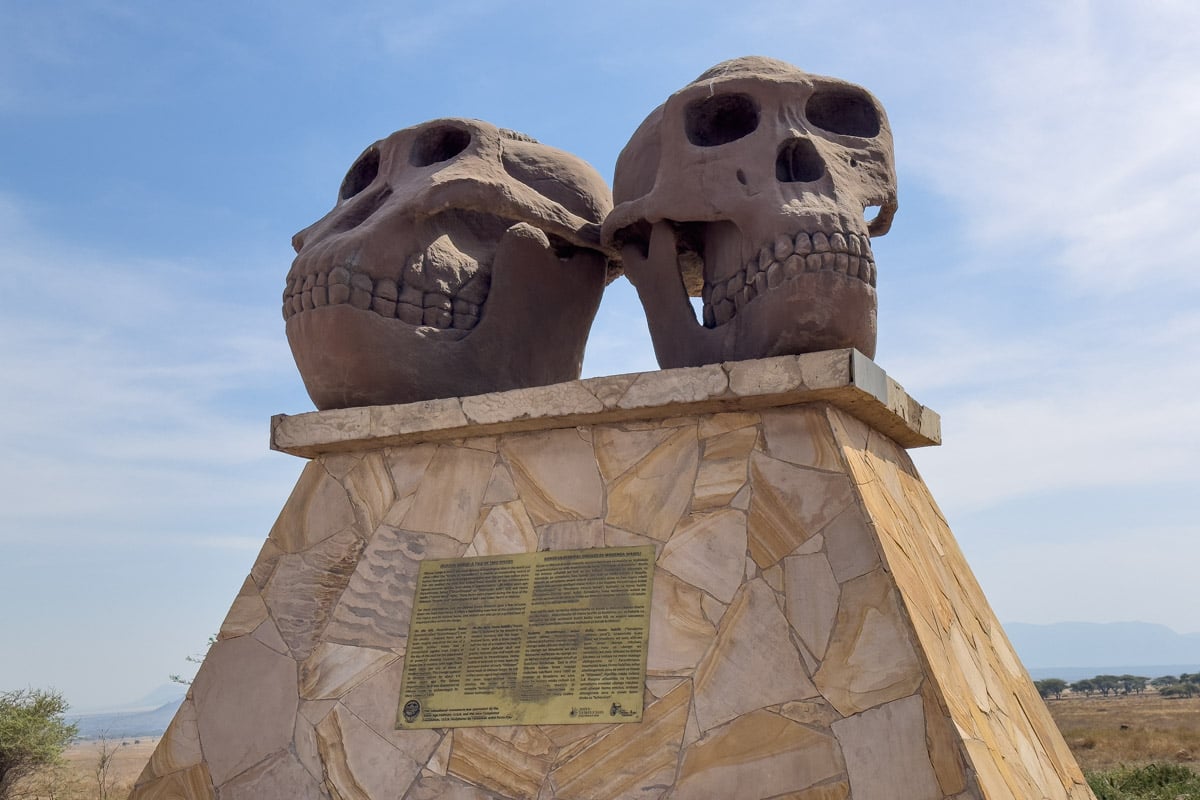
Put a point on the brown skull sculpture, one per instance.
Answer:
(748, 188)
(460, 259)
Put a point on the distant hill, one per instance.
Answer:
(126, 724)
(1101, 644)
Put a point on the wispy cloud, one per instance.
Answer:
(1073, 141)
(119, 408)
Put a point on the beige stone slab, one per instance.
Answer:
(870, 658)
(675, 387)
(572, 534)
(279, 777)
(304, 745)
(333, 669)
(851, 545)
(666, 474)
(500, 488)
(708, 551)
(478, 757)
(506, 529)
(753, 663)
(440, 787)
(358, 762)
(713, 425)
(305, 586)
(193, 783)
(407, 465)
(814, 713)
(801, 436)
(944, 752)
(718, 482)
(179, 747)
(812, 599)
(844, 378)
(318, 508)
(755, 756)
(555, 474)
(371, 491)
(619, 447)
(239, 674)
(609, 389)
(735, 444)
(564, 399)
(268, 634)
(885, 753)
(680, 633)
(268, 554)
(631, 761)
(246, 614)
(789, 505)
(451, 492)
(375, 607)
(440, 760)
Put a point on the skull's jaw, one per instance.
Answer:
(764, 306)
(433, 272)
(354, 356)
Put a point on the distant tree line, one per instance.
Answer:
(1183, 685)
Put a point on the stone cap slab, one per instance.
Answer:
(843, 378)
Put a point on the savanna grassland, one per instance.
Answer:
(1105, 732)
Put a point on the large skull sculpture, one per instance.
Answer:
(460, 259)
(748, 188)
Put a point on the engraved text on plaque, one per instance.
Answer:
(556, 637)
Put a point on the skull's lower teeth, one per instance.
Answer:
(786, 258)
(384, 296)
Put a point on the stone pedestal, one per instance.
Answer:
(815, 632)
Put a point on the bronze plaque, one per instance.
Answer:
(557, 637)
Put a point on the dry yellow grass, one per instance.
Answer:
(1105, 732)
(77, 778)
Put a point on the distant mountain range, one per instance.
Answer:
(146, 716)
(126, 724)
(1103, 645)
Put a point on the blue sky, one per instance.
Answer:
(1039, 286)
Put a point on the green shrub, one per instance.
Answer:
(1150, 782)
(33, 733)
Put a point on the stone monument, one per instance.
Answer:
(771, 604)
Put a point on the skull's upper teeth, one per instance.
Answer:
(785, 258)
(448, 308)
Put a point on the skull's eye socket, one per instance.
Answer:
(720, 119)
(438, 144)
(798, 162)
(361, 174)
(844, 112)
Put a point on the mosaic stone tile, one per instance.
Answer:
(707, 551)
(632, 761)
(753, 663)
(555, 474)
(246, 698)
(451, 491)
(789, 505)
(757, 755)
(666, 474)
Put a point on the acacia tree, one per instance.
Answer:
(33, 733)
(1051, 686)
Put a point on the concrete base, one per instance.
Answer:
(816, 633)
